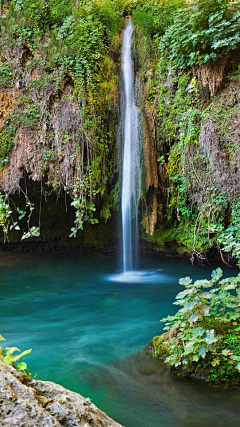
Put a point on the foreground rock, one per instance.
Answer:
(26, 402)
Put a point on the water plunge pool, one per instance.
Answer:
(88, 333)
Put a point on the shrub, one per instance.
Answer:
(74, 35)
(154, 18)
(203, 32)
(205, 332)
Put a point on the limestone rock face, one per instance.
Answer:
(26, 402)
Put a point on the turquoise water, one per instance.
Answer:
(88, 333)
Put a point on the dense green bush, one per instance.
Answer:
(155, 17)
(203, 32)
(204, 335)
(74, 35)
(41, 14)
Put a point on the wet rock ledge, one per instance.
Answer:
(26, 402)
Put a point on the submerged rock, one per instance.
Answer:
(26, 402)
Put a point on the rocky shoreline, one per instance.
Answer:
(27, 402)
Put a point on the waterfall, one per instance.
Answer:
(135, 156)
(131, 163)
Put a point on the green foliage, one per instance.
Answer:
(155, 17)
(74, 35)
(43, 81)
(203, 205)
(198, 209)
(199, 206)
(83, 35)
(7, 222)
(205, 332)
(32, 232)
(6, 74)
(180, 197)
(229, 238)
(198, 229)
(178, 114)
(41, 15)
(8, 357)
(203, 32)
(109, 13)
(111, 203)
(83, 203)
(175, 98)
(6, 143)
(151, 19)
(27, 117)
(5, 215)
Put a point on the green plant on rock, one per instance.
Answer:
(5, 215)
(8, 357)
(204, 335)
(111, 203)
(6, 74)
(27, 117)
(229, 237)
(198, 204)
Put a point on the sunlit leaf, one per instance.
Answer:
(11, 350)
(217, 274)
(22, 366)
(210, 337)
(202, 351)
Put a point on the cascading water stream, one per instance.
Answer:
(131, 169)
(131, 132)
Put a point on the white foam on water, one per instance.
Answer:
(138, 276)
